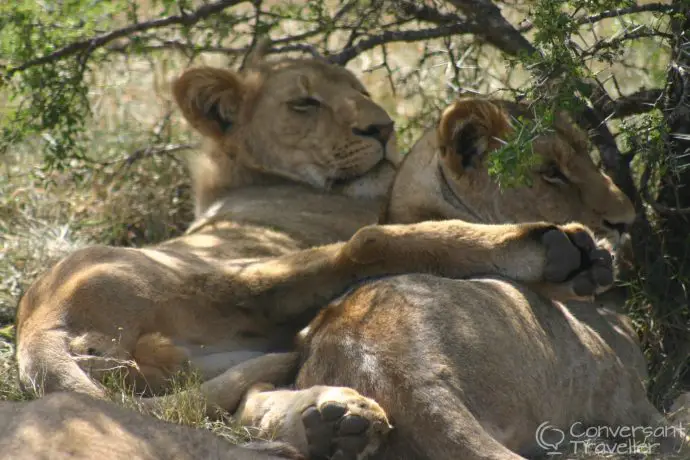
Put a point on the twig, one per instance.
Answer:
(99, 41)
(152, 150)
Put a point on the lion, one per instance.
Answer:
(486, 367)
(287, 197)
(80, 427)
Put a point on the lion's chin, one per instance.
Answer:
(374, 184)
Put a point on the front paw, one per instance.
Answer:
(344, 425)
(573, 257)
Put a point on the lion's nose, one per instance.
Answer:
(380, 132)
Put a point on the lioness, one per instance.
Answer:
(299, 158)
(79, 427)
(470, 369)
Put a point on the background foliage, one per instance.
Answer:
(91, 146)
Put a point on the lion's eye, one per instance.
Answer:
(304, 104)
(553, 175)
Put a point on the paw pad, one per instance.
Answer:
(344, 431)
(573, 256)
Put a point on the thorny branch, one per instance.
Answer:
(99, 41)
(617, 41)
(648, 8)
(503, 35)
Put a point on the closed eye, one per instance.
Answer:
(304, 104)
(553, 175)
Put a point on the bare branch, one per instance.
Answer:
(99, 41)
(427, 13)
(389, 36)
(186, 47)
(177, 45)
(484, 19)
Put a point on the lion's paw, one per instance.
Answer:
(572, 256)
(344, 425)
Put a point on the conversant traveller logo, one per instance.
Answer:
(549, 438)
(605, 440)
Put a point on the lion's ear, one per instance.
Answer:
(469, 129)
(210, 99)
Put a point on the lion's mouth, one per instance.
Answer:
(345, 177)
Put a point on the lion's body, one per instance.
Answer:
(79, 427)
(154, 324)
(471, 368)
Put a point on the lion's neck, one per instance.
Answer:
(215, 175)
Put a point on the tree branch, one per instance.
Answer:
(91, 44)
(616, 41)
(648, 8)
(177, 45)
(641, 101)
(487, 22)
(346, 55)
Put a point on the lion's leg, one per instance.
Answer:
(321, 422)
(436, 417)
(227, 390)
(431, 415)
(291, 289)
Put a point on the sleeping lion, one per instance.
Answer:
(471, 369)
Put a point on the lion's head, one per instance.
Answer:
(299, 120)
(445, 175)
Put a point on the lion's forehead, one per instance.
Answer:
(291, 74)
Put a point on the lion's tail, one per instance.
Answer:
(46, 365)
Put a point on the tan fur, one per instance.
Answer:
(79, 427)
(298, 163)
(468, 369)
